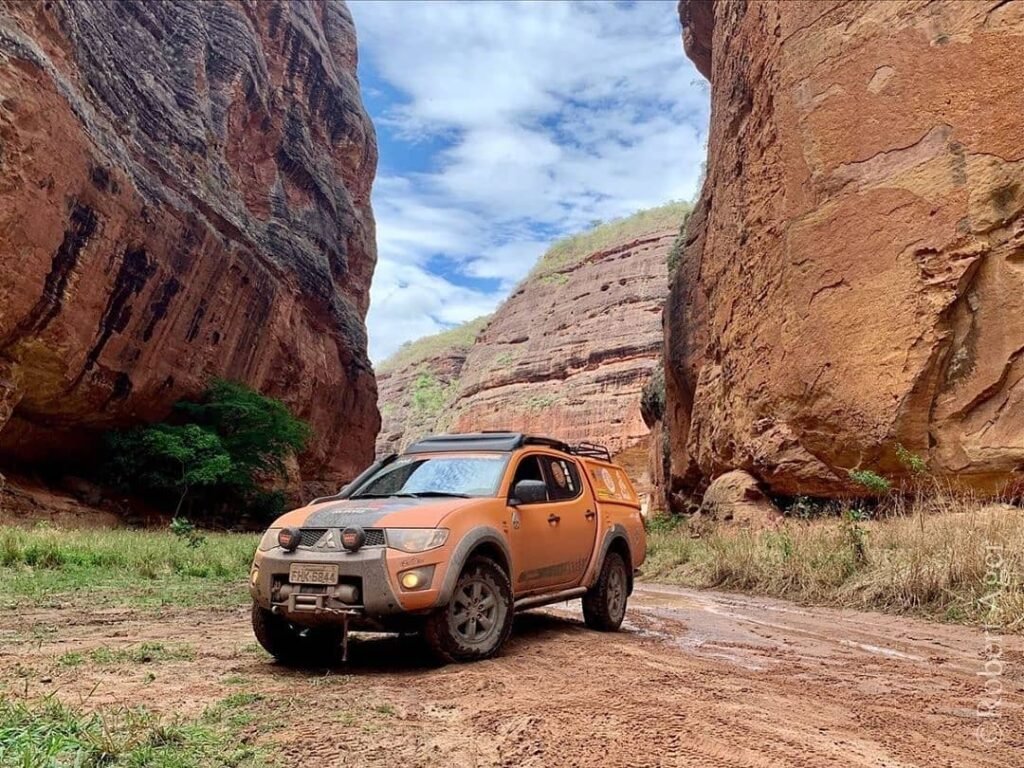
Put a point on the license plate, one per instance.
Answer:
(313, 574)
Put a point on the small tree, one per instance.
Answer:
(166, 457)
(223, 444)
(257, 432)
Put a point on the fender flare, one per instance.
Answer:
(613, 535)
(481, 535)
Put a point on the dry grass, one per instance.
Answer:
(414, 352)
(946, 558)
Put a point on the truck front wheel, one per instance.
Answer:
(477, 620)
(604, 605)
(293, 645)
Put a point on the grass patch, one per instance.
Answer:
(47, 733)
(144, 653)
(454, 339)
(570, 250)
(935, 564)
(48, 567)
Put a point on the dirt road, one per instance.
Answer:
(699, 679)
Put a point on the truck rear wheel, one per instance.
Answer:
(604, 605)
(477, 620)
(294, 645)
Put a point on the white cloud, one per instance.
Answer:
(550, 115)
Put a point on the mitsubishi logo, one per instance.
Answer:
(327, 542)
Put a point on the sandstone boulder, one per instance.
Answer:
(854, 272)
(736, 498)
(184, 194)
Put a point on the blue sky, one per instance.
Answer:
(504, 125)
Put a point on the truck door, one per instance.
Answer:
(552, 540)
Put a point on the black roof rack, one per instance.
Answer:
(503, 441)
(592, 450)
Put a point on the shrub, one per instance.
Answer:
(220, 447)
(911, 461)
(675, 253)
(870, 481)
(168, 457)
(258, 432)
(652, 397)
(428, 395)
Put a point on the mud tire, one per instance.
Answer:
(604, 605)
(292, 645)
(448, 638)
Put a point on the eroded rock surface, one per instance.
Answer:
(854, 276)
(184, 193)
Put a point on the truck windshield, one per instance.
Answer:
(436, 476)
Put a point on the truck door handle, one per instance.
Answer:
(590, 515)
(553, 519)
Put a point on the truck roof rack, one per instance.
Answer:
(503, 441)
(592, 450)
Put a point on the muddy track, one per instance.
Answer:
(698, 679)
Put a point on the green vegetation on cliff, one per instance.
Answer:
(570, 250)
(455, 339)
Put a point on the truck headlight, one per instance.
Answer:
(269, 540)
(416, 539)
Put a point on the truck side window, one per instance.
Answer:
(528, 469)
(563, 479)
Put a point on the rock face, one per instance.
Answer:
(854, 272)
(184, 193)
(570, 351)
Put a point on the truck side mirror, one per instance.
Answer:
(529, 492)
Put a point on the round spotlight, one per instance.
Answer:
(352, 538)
(289, 539)
(411, 580)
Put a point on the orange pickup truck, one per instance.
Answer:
(450, 539)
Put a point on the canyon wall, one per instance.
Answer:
(567, 355)
(853, 278)
(184, 194)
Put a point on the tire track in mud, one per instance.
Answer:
(698, 679)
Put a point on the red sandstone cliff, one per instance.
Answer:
(854, 274)
(567, 355)
(184, 193)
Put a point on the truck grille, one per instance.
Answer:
(374, 537)
(310, 537)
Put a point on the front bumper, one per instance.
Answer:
(365, 585)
